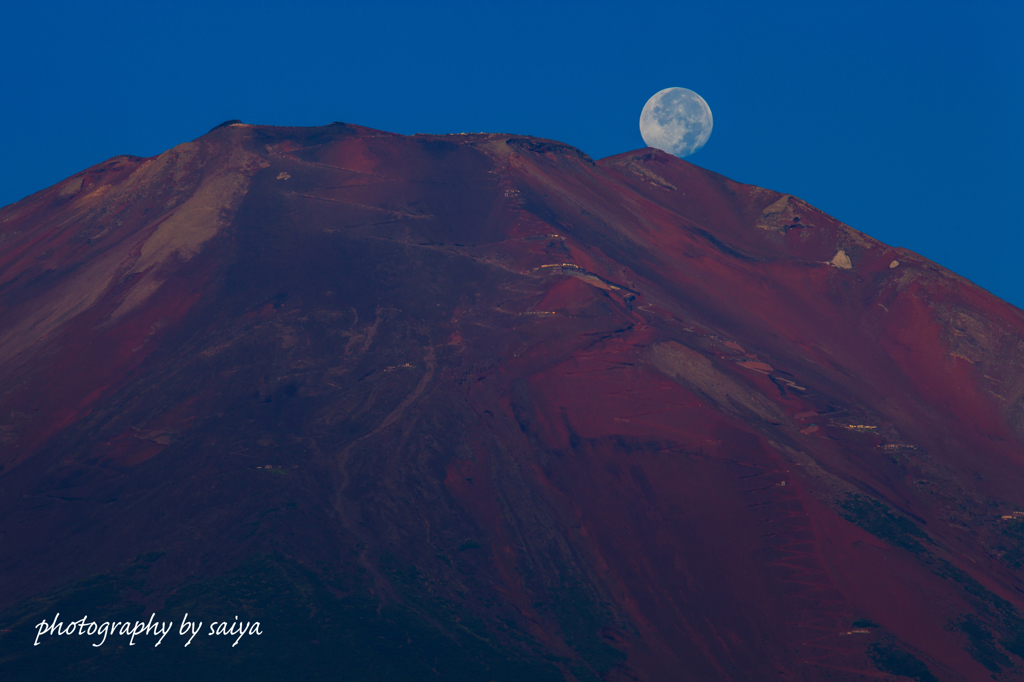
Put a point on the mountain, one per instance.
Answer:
(478, 407)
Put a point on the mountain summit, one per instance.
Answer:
(478, 407)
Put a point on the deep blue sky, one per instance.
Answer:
(903, 120)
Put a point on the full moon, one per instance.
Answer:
(676, 120)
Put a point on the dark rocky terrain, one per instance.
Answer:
(477, 407)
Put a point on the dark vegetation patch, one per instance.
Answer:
(313, 629)
(581, 620)
(981, 644)
(1015, 642)
(497, 662)
(881, 522)
(997, 610)
(891, 659)
(992, 610)
(88, 596)
(1013, 549)
(944, 569)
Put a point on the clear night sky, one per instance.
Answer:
(903, 120)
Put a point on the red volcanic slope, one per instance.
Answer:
(631, 419)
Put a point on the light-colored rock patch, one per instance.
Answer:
(71, 187)
(841, 260)
(193, 223)
(697, 373)
(776, 216)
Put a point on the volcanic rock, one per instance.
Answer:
(478, 407)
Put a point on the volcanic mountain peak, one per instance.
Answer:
(523, 414)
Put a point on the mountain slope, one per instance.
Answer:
(520, 411)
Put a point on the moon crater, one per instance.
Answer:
(676, 120)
